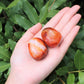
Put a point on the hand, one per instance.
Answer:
(26, 70)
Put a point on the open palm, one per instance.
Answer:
(34, 71)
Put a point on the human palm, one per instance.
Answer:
(29, 69)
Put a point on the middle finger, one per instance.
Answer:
(69, 14)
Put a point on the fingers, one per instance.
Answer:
(65, 19)
(70, 25)
(69, 39)
(31, 32)
(56, 18)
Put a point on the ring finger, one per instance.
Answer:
(70, 25)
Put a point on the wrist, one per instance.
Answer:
(16, 78)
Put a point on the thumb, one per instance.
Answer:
(29, 34)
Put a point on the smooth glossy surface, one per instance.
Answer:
(37, 48)
(51, 37)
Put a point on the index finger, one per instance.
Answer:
(53, 21)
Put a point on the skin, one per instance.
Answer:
(26, 70)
